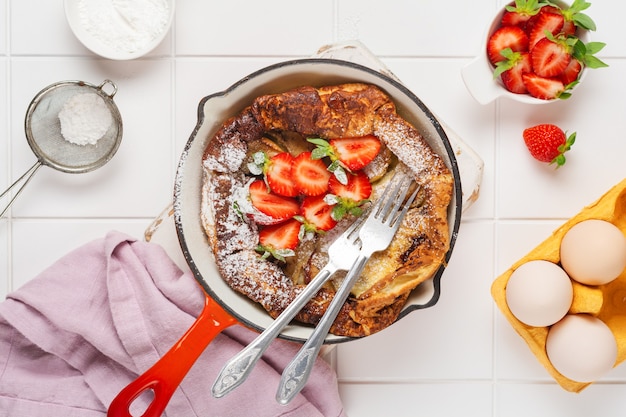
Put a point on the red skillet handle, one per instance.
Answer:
(164, 376)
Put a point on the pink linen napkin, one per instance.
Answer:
(73, 337)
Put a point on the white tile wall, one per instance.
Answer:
(459, 357)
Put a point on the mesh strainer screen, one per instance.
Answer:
(43, 130)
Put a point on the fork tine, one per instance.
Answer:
(406, 207)
(399, 200)
(397, 195)
(390, 188)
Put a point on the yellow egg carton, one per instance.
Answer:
(606, 302)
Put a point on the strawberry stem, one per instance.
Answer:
(529, 7)
(560, 160)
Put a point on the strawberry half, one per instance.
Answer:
(519, 13)
(280, 240)
(512, 68)
(356, 152)
(547, 21)
(544, 88)
(512, 37)
(276, 206)
(349, 197)
(547, 143)
(550, 57)
(358, 187)
(278, 175)
(572, 72)
(310, 175)
(316, 214)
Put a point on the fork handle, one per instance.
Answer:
(237, 369)
(297, 372)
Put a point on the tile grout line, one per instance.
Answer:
(9, 166)
(494, 267)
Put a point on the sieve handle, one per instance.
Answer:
(24, 179)
(113, 86)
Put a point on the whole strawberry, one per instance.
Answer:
(548, 143)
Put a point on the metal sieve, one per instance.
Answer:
(43, 132)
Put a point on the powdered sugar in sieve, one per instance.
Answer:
(93, 129)
(85, 118)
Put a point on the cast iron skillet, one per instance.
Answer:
(225, 307)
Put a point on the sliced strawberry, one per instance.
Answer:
(310, 175)
(520, 12)
(512, 69)
(348, 198)
(550, 9)
(546, 21)
(317, 214)
(543, 88)
(511, 37)
(569, 28)
(534, 19)
(275, 206)
(280, 236)
(572, 72)
(358, 187)
(514, 19)
(356, 152)
(550, 58)
(279, 175)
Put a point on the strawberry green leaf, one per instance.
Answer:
(584, 21)
(322, 149)
(585, 54)
(346, 206)
(573, 14)
(594, 47)
(577, 6)
(339, 172)
(278, 254)
(339, 211)
(571, 85)
(238, 211)
(593, 62)
(509, 62)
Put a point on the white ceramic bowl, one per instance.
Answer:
(478, 74)
(214, 109)
(106, 34)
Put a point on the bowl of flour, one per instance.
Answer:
(120, 29)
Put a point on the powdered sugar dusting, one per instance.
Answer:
(229, 159)
(235, 239)
(404, 141)
(243, 269)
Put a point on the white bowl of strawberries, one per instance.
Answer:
(534, 52)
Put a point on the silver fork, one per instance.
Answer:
(341, 255)
(376, 234)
